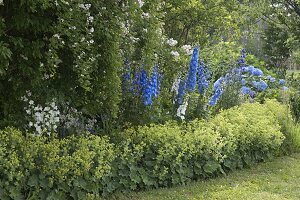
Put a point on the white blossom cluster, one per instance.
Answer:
(182, 109)
(141, 3)
(145, 15)
(175, 86)
(175, 54)
(172, 42)
(187, 49)
(41, 119)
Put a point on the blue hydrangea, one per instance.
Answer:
(192, 75)
(257, 72)
(272, 80)
(284, 88)
(252, 94)
(245, 90)
(243, 82)
(281, 81)
(260, 86)
(251, 69)
(181, 91)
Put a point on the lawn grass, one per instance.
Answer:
(276, 180)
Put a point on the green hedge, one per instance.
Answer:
(144, 157)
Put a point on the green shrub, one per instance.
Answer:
(142, 157)
(32, 167)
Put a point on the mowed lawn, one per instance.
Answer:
(275, 180)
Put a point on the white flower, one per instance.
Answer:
(56, 119)
(145, 15)
(175, 86)
(188, 49)
(31, 102)
(28, 112)
(182, 109)
(30, 124)
(53, 104)
(175, 54)
(24, 98)
(172, 42)
(141, 3)
(90, 18)
(46, 108)
(134, 39)
(38, 129)
(92, 30)
(56, 36)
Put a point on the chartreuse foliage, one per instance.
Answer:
(145, 157)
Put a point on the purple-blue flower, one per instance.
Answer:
(192, 75)
(281, 81)
(243, 82)
(245, 90)
(284, 88)
(181, 91)
(203, 83)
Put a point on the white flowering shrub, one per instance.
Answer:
(41, 119)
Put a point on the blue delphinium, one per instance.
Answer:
(218, 91)
(143, 79)
(217, 94)
(203, 83)
(181, 91)
(218, 83)
(192, 75)
(242, 59)
(147, 95)
(152, 87)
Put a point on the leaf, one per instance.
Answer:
(211, 166)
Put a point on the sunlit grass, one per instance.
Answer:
(279, 179)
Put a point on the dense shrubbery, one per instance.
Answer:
(146, 157)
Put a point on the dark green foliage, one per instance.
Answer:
(59, 49)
